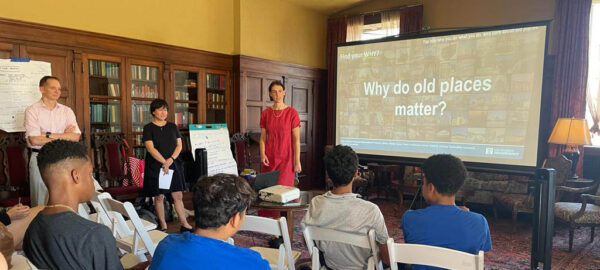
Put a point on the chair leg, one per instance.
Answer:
(514, 219)
(592, 232)
(571, 231)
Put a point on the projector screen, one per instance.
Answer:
(475, 94)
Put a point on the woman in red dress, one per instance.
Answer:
(280, 137)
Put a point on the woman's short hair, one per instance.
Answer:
(157, 104)
(219, 197)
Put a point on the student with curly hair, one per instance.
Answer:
(444, 224)
(220, 203)
(342, 210)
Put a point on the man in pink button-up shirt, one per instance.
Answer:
(45, 121)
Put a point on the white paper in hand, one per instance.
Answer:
(164, 180)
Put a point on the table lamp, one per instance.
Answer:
(571, 132)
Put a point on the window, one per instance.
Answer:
(373, 26)
(592, 114)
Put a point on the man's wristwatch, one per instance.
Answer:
(48, 135)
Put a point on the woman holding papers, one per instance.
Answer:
(163, 145)
(280, 137)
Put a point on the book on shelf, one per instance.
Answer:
(114, 89)
(215, 81)
(105, 69)
(105, 113)
(140, 113)
(139, 152)
(145, 73)
(182, 95)
(183, 119)
(144, 90)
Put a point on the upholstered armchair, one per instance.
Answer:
(14, 178)
(583, 214)
(523, 202)
(110, 161)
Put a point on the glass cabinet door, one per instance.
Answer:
(105, 96)
(216, 98)
(144, 89)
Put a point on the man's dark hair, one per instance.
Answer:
(446, 172)
(157, 104)
(219, 197)
(46, 78)
(57, 151)
(341, 164)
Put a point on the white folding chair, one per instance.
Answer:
(433, 256)
(314, 233)
(282, 258)
(103, 217)
(83, 210)
(131, 241)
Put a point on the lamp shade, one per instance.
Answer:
(570, 131)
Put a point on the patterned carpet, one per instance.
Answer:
(510, 249)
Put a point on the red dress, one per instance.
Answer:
(279, 146)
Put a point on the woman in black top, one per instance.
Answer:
(163, 144)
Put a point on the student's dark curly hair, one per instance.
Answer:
(57, 151)
(341, 164)
(446, 172)
(219, 197)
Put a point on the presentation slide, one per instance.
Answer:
(475, 95)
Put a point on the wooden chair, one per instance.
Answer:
(281, 258)
(110, 164)
(579, 214)
(523, 203)
(432, 256)
(367, 241)
(14, 179)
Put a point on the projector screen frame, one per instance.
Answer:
(471, 166)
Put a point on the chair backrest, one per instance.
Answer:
(313, 233)
(561, 165)
(109, 159)
(239, 142)
(127, 209)
(15, 160)
(102, 216)
(432, 256)
(276, 227)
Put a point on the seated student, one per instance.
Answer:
(58, 238)
(220, 204)
(340, 209)
(443, 224)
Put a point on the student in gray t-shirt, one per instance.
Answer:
(342, 210)
(58, 238)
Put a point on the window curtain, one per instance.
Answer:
(572, 21)
(354, 27)
(336, 33)
(390, 22)
(411, 19)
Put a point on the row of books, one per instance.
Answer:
(112, 90)
(107, 69)
(105, 113)
(144, 90)
(140, 113)
(183, 119)
(144, 73)
(215, 81)
(182, 95)
(214, 106)
(137, 139)
(214, 97)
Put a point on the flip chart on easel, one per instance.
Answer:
(19, 88)
(215, 139)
